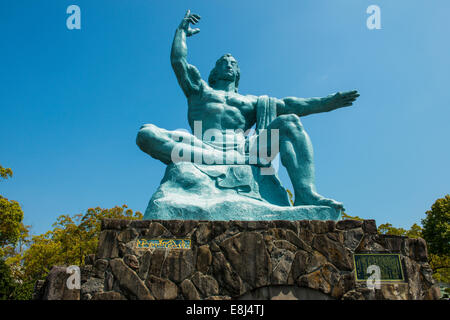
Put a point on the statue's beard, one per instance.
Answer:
(227, 77)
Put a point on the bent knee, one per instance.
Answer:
(148, 127)
(290, 123)
(147, 133)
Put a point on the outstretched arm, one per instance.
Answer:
(306, 106)
(187, 75)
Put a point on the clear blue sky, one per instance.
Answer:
(72, 101)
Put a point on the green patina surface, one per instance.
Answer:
(231, 176)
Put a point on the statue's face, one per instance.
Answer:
(227, 68)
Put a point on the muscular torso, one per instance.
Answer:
(221, 110)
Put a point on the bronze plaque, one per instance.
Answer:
(389, 264)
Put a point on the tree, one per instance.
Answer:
(71, 239)
(387, 228)
(38, 259)
(345, 216)
(13, 236)
(24, 260)
(414, 232)
(12, 230)
(436, 231)
(11, 216)
(5, 173)
(436, 227)
(440, 266)
(6, 281)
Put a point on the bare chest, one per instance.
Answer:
(227, 102)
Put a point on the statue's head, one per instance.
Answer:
(226, 68)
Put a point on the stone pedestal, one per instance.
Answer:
(249, 260)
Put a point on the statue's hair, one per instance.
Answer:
(213, 74)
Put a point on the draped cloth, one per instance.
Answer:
(266, 112)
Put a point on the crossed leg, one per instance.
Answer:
(177, 146)
(294, 146)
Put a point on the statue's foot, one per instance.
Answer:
(315, 199)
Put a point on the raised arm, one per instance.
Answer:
(187, 75)
(306, 106)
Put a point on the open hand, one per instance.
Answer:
(343, 99)
(190, 19)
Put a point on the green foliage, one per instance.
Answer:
(38, 259)
(436, 231)
(5, 173)
(387, 228)
(6, 281)
(414, 232)
(290, 196)
(446, 293)
(11, 216)
(12, 230)
(24, 260)
(13, 238)
(436, 227)
(11, 288)
(72, 238)
(345, 216)
(23, 291)
(440, 266)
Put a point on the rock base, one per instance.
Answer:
(248, 260)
